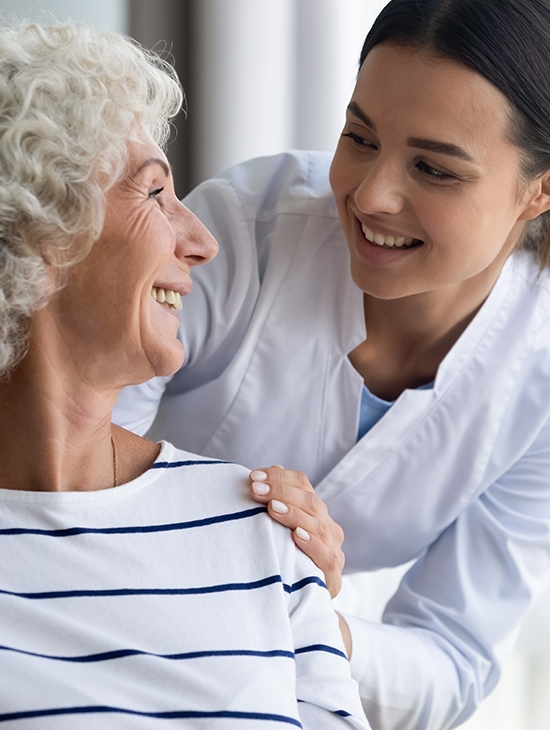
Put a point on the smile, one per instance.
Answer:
(170, 299)
(389, 241)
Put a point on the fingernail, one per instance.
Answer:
(258, 476)
(260, 488)
(302, 534)
(279, 507)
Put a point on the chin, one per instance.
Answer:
(385, 285)
(169, 365)
(374, 286)
(163, 357)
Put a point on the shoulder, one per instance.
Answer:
(214, 482)
(215, 492)
(294, 182)
(516, 354)
(525, 271)
(530, 293)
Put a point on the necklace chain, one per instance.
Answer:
(115, 470)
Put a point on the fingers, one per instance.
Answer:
(279, 478)
(291, 500)
(286, 486)
(315, 539)
(294, 518)
(329, 559)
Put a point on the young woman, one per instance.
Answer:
(391, 339)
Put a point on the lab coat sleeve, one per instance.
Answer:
(454, 620)
(327, 695)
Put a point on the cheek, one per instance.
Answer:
(343, 183)
(160, 237)
(159, 341)
(337, 173)
(474, 223)
(153, 249)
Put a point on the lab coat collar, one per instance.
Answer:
(413, 407)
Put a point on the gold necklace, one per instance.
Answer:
(115, 470)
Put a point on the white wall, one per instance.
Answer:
(330, 35)
(109, 14)
(245, 80)
(272, 75)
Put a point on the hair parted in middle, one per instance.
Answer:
(507, 42)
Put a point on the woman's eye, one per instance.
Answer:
(433, 173)
(358, 140)
(155, 192)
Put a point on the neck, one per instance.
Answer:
(56, 426)
(418, 323)
(56, 435)
(409, 337)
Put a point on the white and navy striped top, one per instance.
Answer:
(173, 600)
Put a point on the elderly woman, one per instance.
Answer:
(128, 586)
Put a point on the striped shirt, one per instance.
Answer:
(171, 600)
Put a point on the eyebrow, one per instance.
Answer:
(430, 145)
(356, 110)
(441, 148)
(154, 161)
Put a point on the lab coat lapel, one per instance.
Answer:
(382, 476)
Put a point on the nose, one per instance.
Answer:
(381, 189)
(194, 242)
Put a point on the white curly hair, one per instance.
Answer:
(71, 98)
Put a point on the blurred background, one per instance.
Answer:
(262, 76)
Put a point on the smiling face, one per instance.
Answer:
(118, 309)
(425, 178)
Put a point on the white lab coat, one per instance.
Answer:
(457, 478)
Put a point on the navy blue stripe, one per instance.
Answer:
(342, 713)
(304, 582)
(177, 464)
(321, 647)
(70, 531)
(174, 715)
(224, 587)
(123, 653)
(116, 592)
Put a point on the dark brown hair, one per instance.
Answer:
(507, 42)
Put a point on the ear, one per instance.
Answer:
(538, 198)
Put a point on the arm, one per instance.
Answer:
(454, 620)
(327, 695)
(291, 501)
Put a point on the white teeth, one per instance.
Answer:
(388, 241)
(167, 296)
